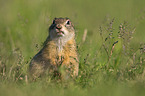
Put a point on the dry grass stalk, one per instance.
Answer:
(26, 79)
(85, 35)
(113, 48)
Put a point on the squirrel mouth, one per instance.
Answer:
(60, 33)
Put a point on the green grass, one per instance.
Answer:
(112, 58)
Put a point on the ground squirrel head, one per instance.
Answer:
(61, 28)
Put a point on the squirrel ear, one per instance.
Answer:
(55, 18)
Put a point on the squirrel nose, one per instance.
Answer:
(58, 26)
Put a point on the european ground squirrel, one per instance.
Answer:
(59, 51)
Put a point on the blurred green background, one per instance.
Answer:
(24, 23)
(24, 26)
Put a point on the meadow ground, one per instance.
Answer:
(112, 54)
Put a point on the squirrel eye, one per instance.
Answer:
(53, 21)
(68, 22)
